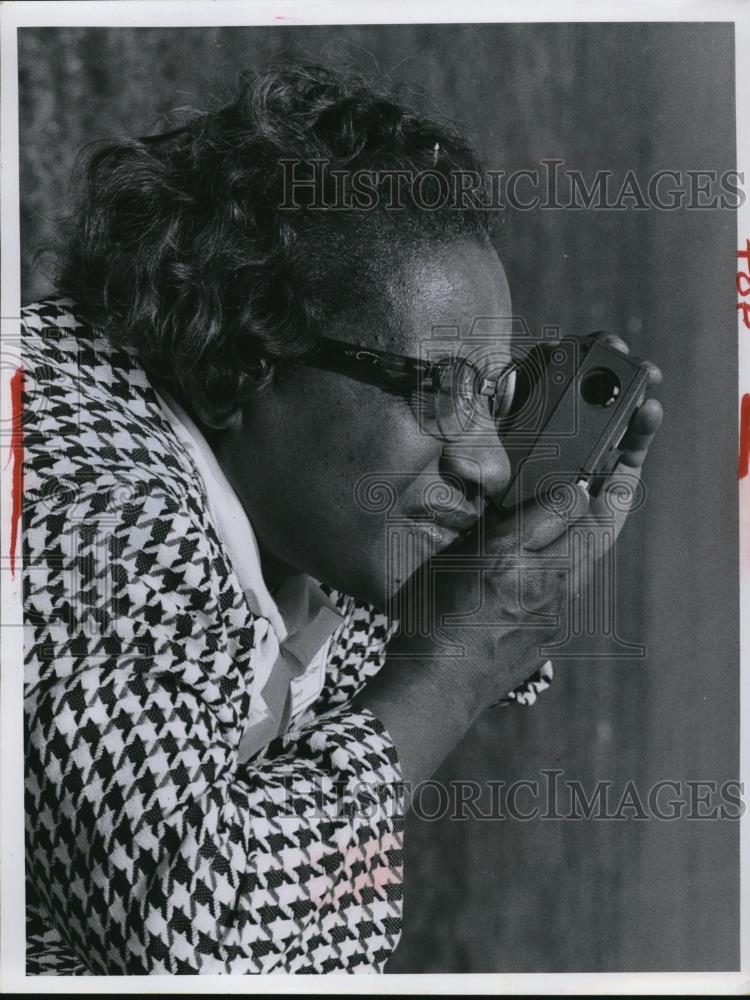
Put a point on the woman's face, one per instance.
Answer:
(339, 478)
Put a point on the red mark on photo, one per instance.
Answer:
(743, 285)
(16, 456)
(744, 436)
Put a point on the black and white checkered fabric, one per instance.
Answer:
(150, 848)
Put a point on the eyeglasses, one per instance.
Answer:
(449, 396)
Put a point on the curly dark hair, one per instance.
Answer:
(185, 246)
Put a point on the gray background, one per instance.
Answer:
(541, 895)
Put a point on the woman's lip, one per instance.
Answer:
(459, 525)
(458, 520)
(440, 536)
(461, 518)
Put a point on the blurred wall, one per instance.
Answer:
(544, 895)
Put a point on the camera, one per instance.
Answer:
(572, 403)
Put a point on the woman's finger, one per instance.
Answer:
(536, 524)
(644, 425)
(543, 522)
(606, 337)
(654, 372)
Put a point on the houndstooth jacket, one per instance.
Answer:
(149, 847)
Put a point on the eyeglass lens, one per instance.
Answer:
(464, 402)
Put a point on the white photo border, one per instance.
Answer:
(195, 13)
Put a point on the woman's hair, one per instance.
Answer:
(221, 250)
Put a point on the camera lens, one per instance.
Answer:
(600, 387)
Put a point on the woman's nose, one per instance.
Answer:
(483, 466)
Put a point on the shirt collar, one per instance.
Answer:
(230, 520)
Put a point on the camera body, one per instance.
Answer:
(572, 404)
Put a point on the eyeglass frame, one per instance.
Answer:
(385, 368)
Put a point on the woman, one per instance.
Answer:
(238, 479)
